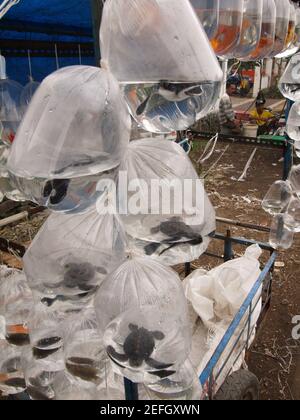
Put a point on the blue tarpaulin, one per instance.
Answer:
(39, 25)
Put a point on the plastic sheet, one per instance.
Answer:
(173, 223)
(76, 125)
(70, 257)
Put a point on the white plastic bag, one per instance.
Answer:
(218, 295)
(173, 217)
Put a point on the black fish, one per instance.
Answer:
(56, 190)
(17, 339)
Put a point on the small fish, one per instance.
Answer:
(83, 368)
(18, 339)
(44, 343)
(16, 383)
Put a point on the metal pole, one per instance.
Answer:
(228, 254)
(288, 149)
(97, 8)
(131, 390)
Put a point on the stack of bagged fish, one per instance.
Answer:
(104, 301)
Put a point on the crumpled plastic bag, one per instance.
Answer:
(157, 227)
(218, 295)
(71, 256)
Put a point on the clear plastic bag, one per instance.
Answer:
(45, 329)
(289, 84)
(6, 187)
(39, 375)
(84, 352)
(27, 94)
(282, 231)
(70, 257)
(76, 125)
(137, 283)
(66, 388)
(282, 26)
(16, 302)
(293, 123)
(149, 340)
(153, 54)
(155, 42)
(182, 385)
(175, 217)
(294, 179)
(11, 376)
(277, 198)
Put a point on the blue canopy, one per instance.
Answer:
(40, 27)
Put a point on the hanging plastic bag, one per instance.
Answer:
(153, 54)
(167, 213)
(66, 388)
(208, 13)
(6, 188)
(39, 375)
(11, 376)
(10, 108)
(76, 128)
(289, 84)
(84, 352)
(45, 330)
(150, 340)
(71, 255)
(27, 94)
(218, 295)
(268, 28)
(16, 302)
(137, 283)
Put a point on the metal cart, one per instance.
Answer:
(241, 384)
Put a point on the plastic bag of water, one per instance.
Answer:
(11, 376)
(293, 122)
(10, 108)
(27, 94)
(153, 54)
(277, 198)
(289, 84)
(154, 340)
(165, 209)
(76, 126)
(84, 352)
(136, 283)
(71, 256)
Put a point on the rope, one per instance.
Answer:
(213, 140)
